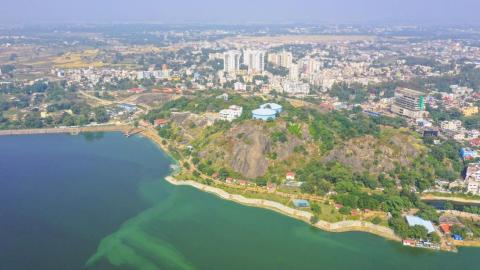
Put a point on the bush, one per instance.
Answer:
(376, 220)
(314, 219)
(346, 210)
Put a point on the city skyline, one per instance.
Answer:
(266, 11)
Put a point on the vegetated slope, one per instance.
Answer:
(378, 154)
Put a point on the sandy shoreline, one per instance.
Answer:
(342, 226)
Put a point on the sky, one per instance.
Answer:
(245, 11)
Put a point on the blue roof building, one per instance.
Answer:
(301, 203)
(273, 106)
(468, 153)
(414, 220)
(457, 237)
(264, 114)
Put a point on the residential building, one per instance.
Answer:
(254, 60)
(238, 86)
(294, 88)
(453, 125)
(409, 103)
(472, 178)
(233, 112)
(293, 72)
(283, 59)
(468, 154)
(469, 110)
(231, 61)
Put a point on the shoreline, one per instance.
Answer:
(67, 130)
(431, 197)
(342, 226)
(337, 227)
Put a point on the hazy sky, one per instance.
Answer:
(227, 11)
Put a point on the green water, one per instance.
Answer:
(70, 202)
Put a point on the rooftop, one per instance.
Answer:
(414, 220)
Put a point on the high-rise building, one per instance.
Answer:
(409, 103)
(255, 60)
(283, 59)
(231, 61)
(294, 72)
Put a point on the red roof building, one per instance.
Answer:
(446, 228)
(160, 123)
(475, 142)
(136, 90)
(290, 176)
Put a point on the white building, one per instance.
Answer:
(255, 60)
(472, 178)
(283, 59)
(453, 125)
(238, 86)
(295, 88)
(294, 72)
(233, 112)
(231, 61)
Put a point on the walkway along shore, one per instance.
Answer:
(61, 130)
(342, 226)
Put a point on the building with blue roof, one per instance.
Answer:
(468, 153)
(414, 221)
(273, 106)
(264, 114)
(301, 203)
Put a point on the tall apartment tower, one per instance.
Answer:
(231, 61)
(255, 60)
(294, 72)
(409, 103)
(283, 59)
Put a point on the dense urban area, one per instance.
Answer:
(379, 124)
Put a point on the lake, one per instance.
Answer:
(99, 201)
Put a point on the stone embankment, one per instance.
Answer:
(342, 226)
(70, 130)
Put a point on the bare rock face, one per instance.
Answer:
(250, 144)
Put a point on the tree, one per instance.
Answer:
(346, 210)
(314, 219)
(101, 115)
(376, 220)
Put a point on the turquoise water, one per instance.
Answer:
(100, 202)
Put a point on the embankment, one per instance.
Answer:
(342, 226)
(72, 130)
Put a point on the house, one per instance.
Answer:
(233, 112)
(469, 111)
(242, 182)
(136, 90)
(457, 237)
(417, 221)
(238, 86)
(290, 176)
(229, 180)
(475, 142)
(468, 153)
(271, 187)
(446, 228)
(160, 123)
(472, 178)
